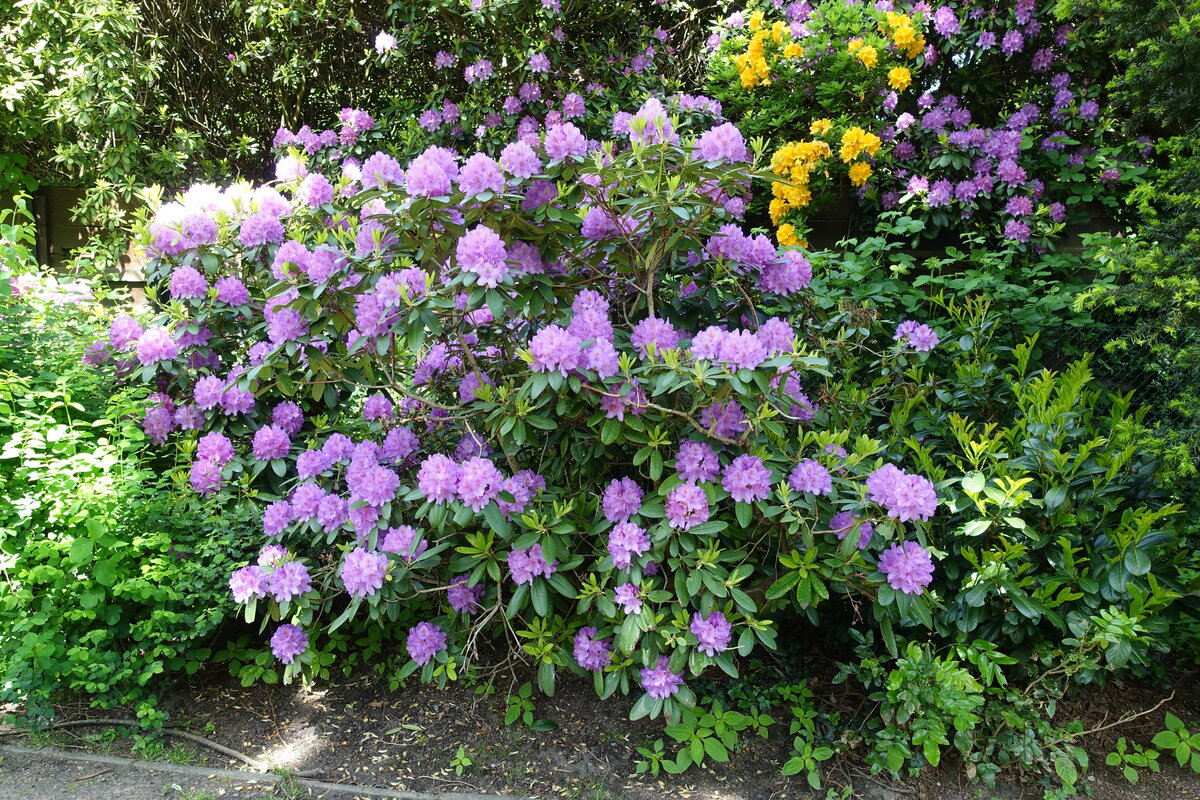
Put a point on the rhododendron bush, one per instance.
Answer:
(557, 397)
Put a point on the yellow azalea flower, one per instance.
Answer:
(777, 32)
(899, 78)
(859, 173)
(903, 37)
(868, 56)
(916, 48)
(855, 45)
(820, 127)
(756, 20)
(777, 209)
(849, 152)
(793, 50)
(786, 235)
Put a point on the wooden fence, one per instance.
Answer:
(59, 237)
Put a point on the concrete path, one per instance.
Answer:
(52, 774)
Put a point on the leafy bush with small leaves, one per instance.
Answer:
(1184, 744)
(1131, 757)
(105, 586)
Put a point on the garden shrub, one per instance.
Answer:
(109, 580)
(1053, 524)
(563, 400)
(464, 385)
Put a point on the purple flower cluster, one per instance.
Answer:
(405, 541)
(591, 653)
(463, 597)
(424, 642)
(697, 461)
(625, 541)
(908, 567)
(904, 496)
(747, 479)
(713, 632)
(686, 506)
(627, 597)
(722, 144)
(810, 476)
(622, 499)
(287, 642)
(363, 572)
(918, 336)
(660, 682)
(525, 565)
(843, 522)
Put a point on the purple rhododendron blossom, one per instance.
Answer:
(288, 581)
(810, 476)
(287, 642)
(686, 506)
(438, 479)
(625, 541)
(591, 653)
(424, 642)
(363, 572)
(622, 499)
(714, 632)
(463, 597)
(747, 479)
(908, 567)
(660, 682)
(697, 461)
(525, 565)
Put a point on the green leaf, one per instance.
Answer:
(1055, 498)
(744, 513)
(716, 750)
(976, 527)
(81, 551)
(495, 519)
(974, 482)
(642, 707)
(1137, 562)
(105, 572)
(546, 680)
(1066, 770)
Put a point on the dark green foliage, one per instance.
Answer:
(1151, 45)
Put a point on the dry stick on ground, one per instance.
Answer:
(1124, 719)
(261, 766)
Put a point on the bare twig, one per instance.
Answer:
(1125, 718)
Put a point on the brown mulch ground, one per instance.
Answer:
(356, 730)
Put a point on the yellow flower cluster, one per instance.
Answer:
(859, 173)
(899, 78)
(900, 28)
(752, 65)
(794, 162)
(856, 141)
(787, 237)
